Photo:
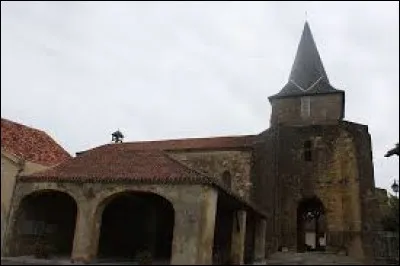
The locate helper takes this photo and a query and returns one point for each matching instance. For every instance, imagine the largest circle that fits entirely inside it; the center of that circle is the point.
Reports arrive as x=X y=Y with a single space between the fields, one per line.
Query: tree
x=394 y=151
x=390 y=221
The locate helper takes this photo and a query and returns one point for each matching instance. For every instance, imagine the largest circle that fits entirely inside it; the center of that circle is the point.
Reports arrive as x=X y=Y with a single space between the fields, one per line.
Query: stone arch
x=135 y=225
x=105 y=198
x=227 y=178
x=224 y=226
x=311 y=224
x=39 y=228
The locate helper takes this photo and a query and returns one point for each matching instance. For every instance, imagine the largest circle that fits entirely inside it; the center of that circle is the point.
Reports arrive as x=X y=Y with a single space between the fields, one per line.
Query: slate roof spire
x=307 y=67
x=308 y=76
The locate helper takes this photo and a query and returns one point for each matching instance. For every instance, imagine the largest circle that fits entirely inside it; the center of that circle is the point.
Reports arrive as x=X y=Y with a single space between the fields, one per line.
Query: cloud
x=156 y=70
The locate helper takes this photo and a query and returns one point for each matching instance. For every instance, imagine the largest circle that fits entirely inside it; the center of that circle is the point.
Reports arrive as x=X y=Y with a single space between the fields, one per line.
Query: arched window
x=227 y=179
x=305 y=106
x=307 y=150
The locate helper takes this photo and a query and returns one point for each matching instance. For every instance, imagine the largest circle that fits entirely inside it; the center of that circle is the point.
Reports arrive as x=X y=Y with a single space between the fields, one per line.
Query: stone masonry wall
x=332 y=175
x=215 y=163
x=194 y=206
x=10 y=168
x=324 y=109
x=265 y=193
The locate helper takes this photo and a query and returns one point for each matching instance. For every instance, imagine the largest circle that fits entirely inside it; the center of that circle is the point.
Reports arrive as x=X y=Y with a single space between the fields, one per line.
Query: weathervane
x=117 y=136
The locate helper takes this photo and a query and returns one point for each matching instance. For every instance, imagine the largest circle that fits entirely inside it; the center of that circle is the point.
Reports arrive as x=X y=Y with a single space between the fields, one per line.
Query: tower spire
x=307 y=68
x=308 y=76
x=295 y=103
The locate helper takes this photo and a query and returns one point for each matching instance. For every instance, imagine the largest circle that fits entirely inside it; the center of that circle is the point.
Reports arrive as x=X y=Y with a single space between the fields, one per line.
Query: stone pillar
x=84 y=246
x=194 y=229
x=354 y=248
x=238 y=237
x=260 y=237
x=2 y=226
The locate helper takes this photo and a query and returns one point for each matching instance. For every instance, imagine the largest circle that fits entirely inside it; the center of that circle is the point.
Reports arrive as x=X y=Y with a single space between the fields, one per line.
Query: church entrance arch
x=311 y=225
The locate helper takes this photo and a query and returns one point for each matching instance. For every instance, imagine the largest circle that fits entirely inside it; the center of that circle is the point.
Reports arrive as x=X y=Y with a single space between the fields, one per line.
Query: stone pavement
x=280 y=258
x=59 y=261
x=310 y=258
x=29 y=260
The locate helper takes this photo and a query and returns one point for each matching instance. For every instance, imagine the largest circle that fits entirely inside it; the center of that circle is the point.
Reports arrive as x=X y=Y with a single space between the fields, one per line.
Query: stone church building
x=305 y=183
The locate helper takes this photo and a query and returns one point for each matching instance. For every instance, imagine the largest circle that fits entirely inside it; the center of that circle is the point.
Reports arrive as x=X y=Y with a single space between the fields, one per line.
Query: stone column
x=238 y=237
x=194 y=229
x=260 y=238
x=84 y=247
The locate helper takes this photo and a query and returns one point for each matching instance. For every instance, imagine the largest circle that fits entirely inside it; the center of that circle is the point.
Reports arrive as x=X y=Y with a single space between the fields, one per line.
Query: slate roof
x=31 y=144
x=308 y=76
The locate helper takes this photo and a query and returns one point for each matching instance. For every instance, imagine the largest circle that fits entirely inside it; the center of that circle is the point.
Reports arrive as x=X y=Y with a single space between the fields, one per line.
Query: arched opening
x=250 y=238
x=227 y=179
x=311 y=225
x=136 y=227
x=223 y=232
x=45 y=225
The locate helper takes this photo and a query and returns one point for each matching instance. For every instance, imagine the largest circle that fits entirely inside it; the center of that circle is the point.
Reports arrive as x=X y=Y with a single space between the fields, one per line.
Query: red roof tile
x=31 y=144
x=127 y=163
x=216 y=143
x=116 y=165
x=138 y=160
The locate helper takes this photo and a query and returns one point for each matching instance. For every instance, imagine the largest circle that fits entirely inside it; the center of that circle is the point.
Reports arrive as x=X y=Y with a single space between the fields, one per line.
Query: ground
x=314 y=258
x=280 y=258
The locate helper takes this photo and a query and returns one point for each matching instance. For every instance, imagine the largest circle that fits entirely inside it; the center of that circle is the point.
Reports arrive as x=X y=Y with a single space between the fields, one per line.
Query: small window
x=226 y=179
x=305 y=106
x=307 y=144
x=307 y=150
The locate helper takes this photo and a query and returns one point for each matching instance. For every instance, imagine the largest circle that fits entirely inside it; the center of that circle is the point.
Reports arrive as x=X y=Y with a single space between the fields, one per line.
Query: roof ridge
x=30 y=143
x=23 y=125
x=172 y=142
x=190 y=138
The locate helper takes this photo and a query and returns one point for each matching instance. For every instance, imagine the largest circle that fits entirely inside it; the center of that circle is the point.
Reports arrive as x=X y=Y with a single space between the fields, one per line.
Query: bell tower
x=307 y=98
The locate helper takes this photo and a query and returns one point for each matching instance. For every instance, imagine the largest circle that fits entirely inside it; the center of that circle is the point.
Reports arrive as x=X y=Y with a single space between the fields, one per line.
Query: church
x=304 y=184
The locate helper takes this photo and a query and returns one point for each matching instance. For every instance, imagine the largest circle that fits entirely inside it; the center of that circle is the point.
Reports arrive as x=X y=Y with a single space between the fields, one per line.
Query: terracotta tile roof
x=31 y=144
x=143 y=162
x=137 y=160
x=216 y=143
x=114 y=163
x=108 y=164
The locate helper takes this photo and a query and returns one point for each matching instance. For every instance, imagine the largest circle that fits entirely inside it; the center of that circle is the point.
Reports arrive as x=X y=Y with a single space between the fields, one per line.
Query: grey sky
x=159 y=70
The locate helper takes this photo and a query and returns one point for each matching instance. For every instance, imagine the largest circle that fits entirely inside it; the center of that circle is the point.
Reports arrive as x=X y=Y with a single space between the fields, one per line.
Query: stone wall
x=9 y=170
x=194 y=206
x=324 y=109
x=10 y=167
x=215 y=163
x=335 y=174
x=265 y=183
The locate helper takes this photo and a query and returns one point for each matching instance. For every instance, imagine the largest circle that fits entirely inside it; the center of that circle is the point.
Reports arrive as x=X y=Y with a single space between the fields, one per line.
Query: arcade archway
x=136 y=226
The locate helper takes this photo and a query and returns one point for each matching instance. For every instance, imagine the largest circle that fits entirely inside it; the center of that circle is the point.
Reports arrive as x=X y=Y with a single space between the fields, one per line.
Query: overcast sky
x=160 y=70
